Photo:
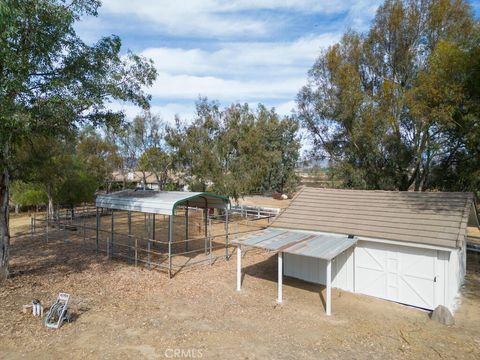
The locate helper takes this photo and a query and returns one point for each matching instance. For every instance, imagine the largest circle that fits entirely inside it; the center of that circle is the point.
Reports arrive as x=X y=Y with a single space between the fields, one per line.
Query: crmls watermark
x=177 y=353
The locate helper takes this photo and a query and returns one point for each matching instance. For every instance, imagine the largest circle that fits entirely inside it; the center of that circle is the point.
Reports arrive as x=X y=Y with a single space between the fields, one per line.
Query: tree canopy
x=397 y=107
x=237 y=150
x=52 y=82
x=28 y=194
x=142 y=147
x=99 y=155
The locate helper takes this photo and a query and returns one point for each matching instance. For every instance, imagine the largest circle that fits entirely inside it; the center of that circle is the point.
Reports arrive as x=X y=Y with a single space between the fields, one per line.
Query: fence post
x=226 y=233
x=148 y=253
x=46 y=227
x=170 y=239
x=112 y=230
x=97 y=228
x=65 y=227
x=108 y=247
x=130 y=236
x=148 y=232
x=210 y=237
x=145 y=223
x=186 y=228
x=206 y=228
x=155 y=245
x=84 y=230
x=211 y=256
x=136 y=252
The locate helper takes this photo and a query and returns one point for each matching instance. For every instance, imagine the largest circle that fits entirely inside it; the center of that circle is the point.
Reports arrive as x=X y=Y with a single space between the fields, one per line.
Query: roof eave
x=225 y=199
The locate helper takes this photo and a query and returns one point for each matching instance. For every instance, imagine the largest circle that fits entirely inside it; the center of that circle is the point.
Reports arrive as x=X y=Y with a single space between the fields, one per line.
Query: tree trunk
x=50 y=210
x=4 y=224
x=144 y=187
x=160 y=185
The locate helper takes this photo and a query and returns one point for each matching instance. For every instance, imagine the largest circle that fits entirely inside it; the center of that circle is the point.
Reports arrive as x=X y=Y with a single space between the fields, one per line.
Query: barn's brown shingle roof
x=435 y=218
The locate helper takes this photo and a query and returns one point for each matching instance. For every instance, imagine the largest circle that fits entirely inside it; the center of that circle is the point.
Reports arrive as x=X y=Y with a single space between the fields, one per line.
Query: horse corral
x=198 y=236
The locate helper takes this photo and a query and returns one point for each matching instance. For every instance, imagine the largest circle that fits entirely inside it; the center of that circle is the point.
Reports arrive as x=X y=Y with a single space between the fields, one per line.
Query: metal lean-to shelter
x=162 y=203
x=319 y=246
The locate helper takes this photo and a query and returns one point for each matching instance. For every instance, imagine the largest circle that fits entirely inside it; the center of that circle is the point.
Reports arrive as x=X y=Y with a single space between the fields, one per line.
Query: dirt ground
x=125 y=312
x=264 y=201
x=473 y=235
x=473 y=231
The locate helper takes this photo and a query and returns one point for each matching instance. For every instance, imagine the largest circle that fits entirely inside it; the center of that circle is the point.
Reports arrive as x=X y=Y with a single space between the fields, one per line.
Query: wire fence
x=143 y=239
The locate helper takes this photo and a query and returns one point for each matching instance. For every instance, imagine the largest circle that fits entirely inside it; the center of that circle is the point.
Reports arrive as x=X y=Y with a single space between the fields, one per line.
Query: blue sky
x=233 y=51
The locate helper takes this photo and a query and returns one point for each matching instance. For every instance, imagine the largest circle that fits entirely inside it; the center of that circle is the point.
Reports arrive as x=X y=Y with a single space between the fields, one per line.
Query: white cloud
x=181 y=17
x=224 y=18
x=186 y=111
x=286 y=108
x=228 y=66
x=191 y=87
x=166 y=112
x=236 y=71
x=242 y=57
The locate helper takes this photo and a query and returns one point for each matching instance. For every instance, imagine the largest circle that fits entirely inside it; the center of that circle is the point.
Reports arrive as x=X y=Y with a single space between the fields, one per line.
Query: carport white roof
x=321 y=246
x=159 y=202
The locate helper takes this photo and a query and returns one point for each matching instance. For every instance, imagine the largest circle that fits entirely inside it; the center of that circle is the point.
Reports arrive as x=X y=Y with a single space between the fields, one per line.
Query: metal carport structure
x=162 y=203
x=319 y=246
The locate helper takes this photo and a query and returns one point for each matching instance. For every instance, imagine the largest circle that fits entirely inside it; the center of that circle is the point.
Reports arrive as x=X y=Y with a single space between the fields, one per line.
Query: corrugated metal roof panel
x=433 y=218
x=158 y=202
x=321 y=246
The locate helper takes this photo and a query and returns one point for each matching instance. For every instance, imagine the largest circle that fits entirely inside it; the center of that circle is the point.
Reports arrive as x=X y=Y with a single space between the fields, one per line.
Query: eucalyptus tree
x=195 y=145
x=52 y=82
x=142 y=146
x=236 y=150
x=158 y=162
x=27 y=194
x=99 y=155
x=47 y=161
x=389 y=107
x=56 y=166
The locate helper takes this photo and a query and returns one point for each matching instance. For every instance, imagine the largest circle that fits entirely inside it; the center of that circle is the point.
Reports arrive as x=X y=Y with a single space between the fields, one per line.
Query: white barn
x=409 y=247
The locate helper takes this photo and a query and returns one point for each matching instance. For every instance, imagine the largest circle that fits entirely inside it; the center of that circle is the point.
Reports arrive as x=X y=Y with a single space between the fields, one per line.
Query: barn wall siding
x=457 y=270
x=305 y=268
x=447 y=266
x=313 y=270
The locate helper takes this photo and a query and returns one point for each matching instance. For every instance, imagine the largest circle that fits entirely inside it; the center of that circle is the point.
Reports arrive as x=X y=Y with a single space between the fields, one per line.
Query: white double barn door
x=403 y=274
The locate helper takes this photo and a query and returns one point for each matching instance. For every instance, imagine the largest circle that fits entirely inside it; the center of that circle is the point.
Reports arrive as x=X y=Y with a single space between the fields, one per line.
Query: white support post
x=226 y=232
x=328 y=300
x=170 y=239
x=280 y=277
x=239 y=267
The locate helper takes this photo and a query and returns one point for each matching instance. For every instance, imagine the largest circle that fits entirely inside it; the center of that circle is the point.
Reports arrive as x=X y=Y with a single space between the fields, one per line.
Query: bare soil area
x=265 y=201
x=125 y=312
x=473 y=231
x=473 y=235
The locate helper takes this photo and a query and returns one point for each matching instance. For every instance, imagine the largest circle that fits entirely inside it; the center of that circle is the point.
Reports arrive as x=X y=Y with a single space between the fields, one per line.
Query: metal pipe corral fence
x=156 y=241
